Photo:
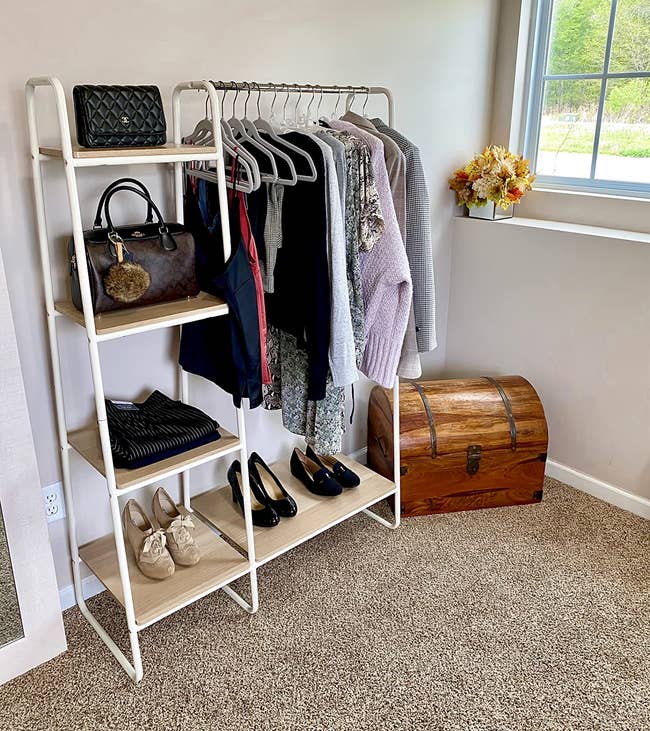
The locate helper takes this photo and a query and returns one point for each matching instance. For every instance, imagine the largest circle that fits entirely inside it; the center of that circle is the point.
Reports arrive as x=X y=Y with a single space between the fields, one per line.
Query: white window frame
x=538 y=79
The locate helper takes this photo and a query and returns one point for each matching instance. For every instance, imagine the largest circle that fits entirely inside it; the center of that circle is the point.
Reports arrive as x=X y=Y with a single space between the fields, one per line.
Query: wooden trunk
x=465 y=444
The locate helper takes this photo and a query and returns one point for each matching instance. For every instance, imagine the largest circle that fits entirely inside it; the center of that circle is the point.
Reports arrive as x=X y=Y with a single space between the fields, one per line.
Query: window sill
x=634 y=237
x=605 y=193
x=597 y=210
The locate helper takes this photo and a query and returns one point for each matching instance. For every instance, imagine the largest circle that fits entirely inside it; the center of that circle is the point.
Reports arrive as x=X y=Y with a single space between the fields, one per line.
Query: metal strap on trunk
x=508 y=407
x=432 y=425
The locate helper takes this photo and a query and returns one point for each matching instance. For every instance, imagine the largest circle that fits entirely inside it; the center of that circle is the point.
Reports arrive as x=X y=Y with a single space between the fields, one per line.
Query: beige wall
x=435 y=55
x=570 y=312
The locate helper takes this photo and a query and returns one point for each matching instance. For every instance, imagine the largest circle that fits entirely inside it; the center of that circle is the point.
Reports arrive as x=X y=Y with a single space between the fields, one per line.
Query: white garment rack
x=146 y=601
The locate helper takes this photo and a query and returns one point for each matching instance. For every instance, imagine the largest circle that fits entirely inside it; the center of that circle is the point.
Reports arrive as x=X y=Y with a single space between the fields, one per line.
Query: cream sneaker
x=147 y=541
x=179 y=529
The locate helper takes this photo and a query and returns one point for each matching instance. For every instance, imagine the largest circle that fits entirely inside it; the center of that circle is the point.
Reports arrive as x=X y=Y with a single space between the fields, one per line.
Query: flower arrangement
x=493 y=175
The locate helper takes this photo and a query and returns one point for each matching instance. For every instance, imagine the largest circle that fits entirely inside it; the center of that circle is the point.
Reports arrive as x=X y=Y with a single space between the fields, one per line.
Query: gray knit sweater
x=385 y=277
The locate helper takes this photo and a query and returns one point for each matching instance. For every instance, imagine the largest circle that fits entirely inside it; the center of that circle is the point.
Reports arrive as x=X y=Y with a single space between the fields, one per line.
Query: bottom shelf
x=152 y=600
x=315 y=514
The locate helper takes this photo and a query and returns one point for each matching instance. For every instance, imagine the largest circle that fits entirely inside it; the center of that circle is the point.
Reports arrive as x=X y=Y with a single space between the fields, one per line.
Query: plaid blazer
x=418 y=239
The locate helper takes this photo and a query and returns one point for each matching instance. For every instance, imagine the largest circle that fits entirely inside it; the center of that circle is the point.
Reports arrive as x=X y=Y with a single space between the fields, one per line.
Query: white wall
x=435 y=55
x=570 y=312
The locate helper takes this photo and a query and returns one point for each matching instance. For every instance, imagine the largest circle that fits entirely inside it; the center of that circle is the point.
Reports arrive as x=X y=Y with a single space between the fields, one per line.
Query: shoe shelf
x=86 y=442
x=144 y=600
x=152 y=600
x=315 y=514
x=117 y=324
x=170 y=152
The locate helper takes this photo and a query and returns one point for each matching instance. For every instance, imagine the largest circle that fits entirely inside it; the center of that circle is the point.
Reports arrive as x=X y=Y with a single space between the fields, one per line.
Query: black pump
x=274 y=491
x=263 y=514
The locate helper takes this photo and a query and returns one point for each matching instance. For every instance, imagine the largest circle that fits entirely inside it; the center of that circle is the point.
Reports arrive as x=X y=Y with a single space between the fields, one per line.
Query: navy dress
x=225 y=350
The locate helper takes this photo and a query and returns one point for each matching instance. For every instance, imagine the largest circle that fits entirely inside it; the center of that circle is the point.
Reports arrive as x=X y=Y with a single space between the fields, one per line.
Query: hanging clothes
x=386 y=278
x=364 y=226
x=225 y=350
x=342 y=360
x=251 y=249
x=395 y=165
x=409 y=364
x=256 y=206
x=321 y=421
x=418 y=239
x=272 y=233
x=301 y=302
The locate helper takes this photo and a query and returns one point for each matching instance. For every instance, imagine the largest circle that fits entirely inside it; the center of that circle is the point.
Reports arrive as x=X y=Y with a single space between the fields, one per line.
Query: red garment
x=251 y=249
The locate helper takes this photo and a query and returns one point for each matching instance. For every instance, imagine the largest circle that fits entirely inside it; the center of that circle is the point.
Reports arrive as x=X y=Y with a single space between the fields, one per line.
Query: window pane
x=578 y=36
x=631 y=44
x=568 y=126
x=624 y=149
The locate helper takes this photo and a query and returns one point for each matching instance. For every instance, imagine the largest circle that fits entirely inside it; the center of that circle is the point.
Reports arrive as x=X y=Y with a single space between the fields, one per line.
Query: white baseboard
x=90 y=586
x=599 y=489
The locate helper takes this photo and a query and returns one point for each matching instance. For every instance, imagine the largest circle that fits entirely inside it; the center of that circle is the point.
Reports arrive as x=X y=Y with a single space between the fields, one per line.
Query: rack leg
x=135 y=670
x=396 y=466
x=185 y=476
x=253 y=606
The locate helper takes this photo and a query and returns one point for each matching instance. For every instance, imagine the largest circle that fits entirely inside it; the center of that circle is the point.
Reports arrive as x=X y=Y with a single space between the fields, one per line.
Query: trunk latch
x=473 y=458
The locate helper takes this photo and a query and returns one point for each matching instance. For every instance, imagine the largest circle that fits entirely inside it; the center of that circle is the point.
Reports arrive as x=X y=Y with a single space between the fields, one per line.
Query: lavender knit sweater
x=385 y=277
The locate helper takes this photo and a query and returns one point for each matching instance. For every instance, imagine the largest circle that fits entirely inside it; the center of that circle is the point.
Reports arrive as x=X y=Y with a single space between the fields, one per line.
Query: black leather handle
x=166 y=239
x=115 y=184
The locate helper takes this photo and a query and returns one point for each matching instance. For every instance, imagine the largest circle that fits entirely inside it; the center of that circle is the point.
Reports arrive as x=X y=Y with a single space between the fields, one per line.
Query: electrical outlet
x=53 y=502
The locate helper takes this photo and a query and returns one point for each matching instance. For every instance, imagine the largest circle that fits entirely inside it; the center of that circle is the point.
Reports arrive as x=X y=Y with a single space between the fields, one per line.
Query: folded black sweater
x=155 y=429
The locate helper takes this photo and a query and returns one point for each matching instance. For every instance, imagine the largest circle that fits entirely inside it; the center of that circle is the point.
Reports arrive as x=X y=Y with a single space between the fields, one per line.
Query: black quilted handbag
x=119 y=116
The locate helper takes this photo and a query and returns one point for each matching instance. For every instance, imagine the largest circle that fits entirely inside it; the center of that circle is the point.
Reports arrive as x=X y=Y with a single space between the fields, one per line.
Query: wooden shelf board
x=86 y=442
x=81 y=153
x=120 y=322
x=219 y=564
x=315 y=513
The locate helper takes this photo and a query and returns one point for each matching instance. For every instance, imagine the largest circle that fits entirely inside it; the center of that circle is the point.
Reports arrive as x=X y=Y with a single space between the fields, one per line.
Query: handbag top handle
x=98 y=215
x=166 y=238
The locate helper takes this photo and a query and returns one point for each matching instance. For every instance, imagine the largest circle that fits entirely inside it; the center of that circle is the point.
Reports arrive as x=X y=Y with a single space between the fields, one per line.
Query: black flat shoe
x=275 y=492
x=263 y=515
x=313 y=476
x=342 y=474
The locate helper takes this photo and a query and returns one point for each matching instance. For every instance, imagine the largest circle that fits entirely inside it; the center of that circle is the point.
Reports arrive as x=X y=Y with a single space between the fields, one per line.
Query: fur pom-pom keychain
x=125 y=281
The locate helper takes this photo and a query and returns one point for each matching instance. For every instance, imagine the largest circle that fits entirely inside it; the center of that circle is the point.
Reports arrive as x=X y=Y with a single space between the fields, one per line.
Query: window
x=588 y=123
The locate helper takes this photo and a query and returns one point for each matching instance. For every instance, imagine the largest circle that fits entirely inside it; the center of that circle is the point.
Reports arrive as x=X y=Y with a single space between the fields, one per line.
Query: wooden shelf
x=118 y=323
x=315 y=514
x=87 y=157
x=86 y=443
x=219 y=564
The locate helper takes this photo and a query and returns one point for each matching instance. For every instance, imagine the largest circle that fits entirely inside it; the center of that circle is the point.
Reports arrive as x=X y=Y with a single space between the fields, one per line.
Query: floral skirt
x=322 y=423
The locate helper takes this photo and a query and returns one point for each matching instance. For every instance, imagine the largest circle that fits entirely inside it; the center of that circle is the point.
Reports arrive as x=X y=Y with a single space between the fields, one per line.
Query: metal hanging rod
x=297 y=88
x=284 y=88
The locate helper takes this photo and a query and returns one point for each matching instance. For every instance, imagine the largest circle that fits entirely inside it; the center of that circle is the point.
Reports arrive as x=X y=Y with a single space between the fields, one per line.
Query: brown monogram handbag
x=134 y=265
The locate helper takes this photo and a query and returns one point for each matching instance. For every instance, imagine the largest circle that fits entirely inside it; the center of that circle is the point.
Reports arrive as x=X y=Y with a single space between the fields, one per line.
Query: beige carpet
x=534 y=618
